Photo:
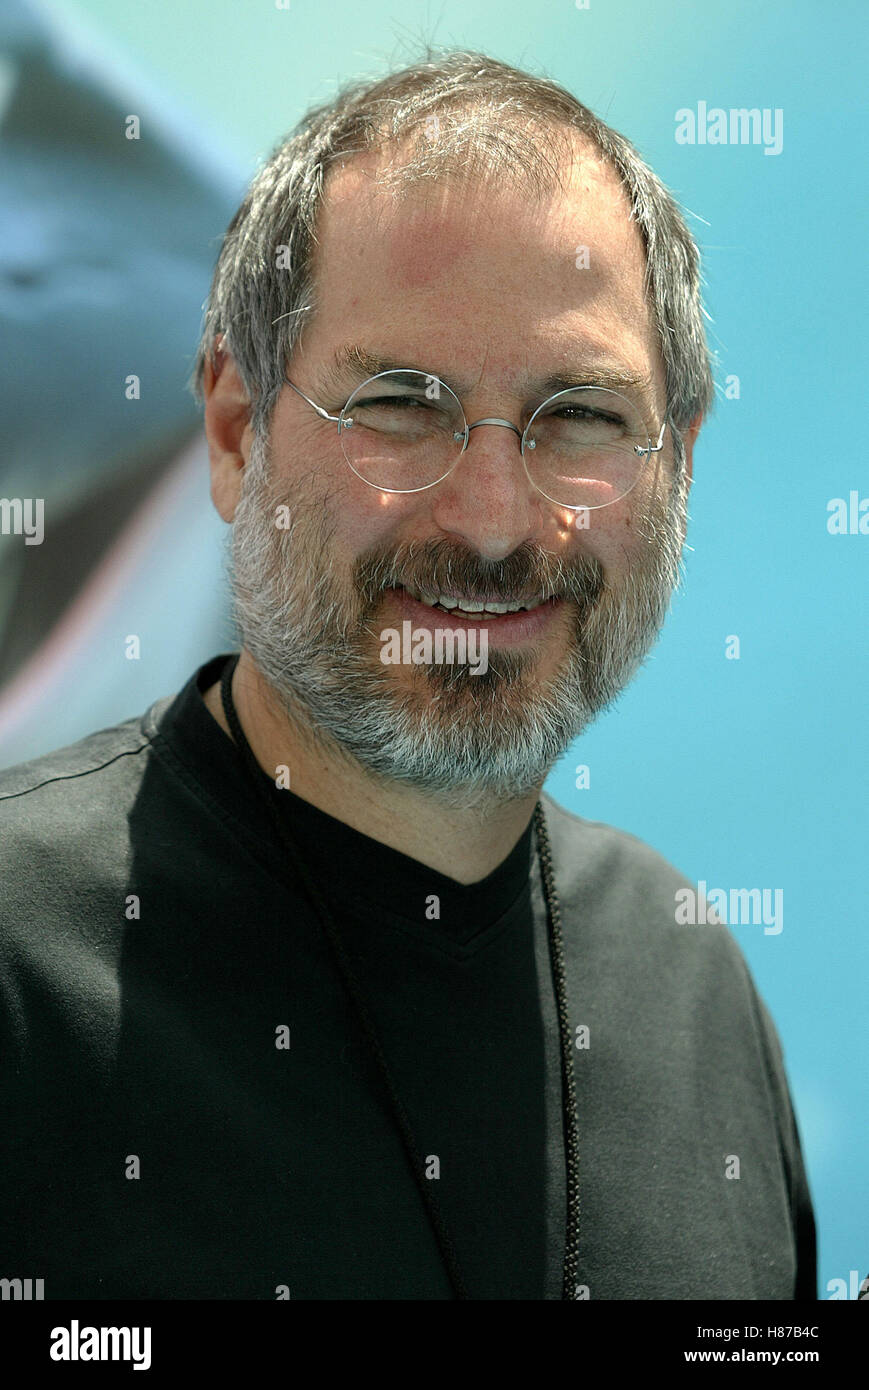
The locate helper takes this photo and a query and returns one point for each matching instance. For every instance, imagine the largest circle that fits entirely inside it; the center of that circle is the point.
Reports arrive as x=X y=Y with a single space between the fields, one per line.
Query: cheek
x=608 y=530
x=618 y=536
x=364 y=518
x=607 y=541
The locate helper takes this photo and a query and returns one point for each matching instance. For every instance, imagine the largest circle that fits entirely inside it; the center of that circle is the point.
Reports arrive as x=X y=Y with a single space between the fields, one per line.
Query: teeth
x=474 y=606
x=464 y=605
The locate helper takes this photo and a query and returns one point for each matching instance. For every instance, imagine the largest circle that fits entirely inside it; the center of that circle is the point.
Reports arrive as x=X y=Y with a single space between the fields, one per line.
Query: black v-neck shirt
x=190 y=1108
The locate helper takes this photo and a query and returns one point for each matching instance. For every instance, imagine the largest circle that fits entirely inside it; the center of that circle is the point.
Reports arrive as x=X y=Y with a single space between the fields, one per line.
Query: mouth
x=506 y=621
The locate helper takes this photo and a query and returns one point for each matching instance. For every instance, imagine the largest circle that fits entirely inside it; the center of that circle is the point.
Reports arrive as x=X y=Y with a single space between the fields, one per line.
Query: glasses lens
x=585 y=447
x=398 y=430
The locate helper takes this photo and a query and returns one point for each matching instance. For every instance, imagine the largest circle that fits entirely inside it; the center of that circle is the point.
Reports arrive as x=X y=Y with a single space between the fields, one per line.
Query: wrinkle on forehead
x=427 y=227
x=471 y=247
x=433 y=228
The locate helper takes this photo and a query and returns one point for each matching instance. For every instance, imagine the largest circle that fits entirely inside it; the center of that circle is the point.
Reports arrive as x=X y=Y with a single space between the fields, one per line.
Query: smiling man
x=307 y=986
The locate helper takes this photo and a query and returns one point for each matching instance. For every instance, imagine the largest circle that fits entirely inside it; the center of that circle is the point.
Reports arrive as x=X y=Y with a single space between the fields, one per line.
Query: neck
x=463 y=845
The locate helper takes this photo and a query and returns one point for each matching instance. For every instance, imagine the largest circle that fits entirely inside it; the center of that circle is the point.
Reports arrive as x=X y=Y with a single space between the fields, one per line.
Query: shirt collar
x=365 y=872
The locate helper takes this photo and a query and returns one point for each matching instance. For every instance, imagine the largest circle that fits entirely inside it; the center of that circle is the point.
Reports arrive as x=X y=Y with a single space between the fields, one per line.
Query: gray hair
x=490 y=119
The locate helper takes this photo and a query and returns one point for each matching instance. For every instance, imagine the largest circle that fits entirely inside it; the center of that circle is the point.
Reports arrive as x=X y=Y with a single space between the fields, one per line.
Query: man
x=304 y=995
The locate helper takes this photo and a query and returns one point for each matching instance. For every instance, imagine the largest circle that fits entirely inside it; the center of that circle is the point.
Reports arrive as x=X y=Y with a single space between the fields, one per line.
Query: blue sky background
x=747 y=773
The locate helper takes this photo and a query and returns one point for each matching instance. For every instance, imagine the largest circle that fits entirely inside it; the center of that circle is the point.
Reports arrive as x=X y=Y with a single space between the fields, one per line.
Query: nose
x=488 y=499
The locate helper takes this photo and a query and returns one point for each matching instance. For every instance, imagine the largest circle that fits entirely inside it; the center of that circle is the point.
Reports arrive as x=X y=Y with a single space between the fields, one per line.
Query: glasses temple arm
x=319 y=409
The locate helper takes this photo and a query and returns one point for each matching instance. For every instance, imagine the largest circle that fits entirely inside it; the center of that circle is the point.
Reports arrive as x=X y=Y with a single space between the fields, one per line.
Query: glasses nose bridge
x=493 y=420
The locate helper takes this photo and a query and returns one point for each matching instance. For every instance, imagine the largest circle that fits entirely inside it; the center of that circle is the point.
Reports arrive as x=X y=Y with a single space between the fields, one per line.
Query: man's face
x=480 y=286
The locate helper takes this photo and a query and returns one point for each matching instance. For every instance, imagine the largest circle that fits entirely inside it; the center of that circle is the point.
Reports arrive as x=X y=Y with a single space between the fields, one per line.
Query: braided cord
x=568 y=1082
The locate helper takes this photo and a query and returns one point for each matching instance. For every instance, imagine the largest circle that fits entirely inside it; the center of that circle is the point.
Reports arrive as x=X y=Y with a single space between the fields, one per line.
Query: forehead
x=485 y=261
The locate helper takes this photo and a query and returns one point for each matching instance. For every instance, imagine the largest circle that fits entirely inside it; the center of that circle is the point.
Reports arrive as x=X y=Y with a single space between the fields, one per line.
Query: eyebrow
x=357 y=362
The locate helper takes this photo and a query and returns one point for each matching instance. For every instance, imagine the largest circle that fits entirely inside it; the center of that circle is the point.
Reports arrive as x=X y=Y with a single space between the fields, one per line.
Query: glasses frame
x=346 y=423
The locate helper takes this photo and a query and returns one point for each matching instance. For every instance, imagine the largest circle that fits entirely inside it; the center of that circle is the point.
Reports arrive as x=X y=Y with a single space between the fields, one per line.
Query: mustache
x=440 y=567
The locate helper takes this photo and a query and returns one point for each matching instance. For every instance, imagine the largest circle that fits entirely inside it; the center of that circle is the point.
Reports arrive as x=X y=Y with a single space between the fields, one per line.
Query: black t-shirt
x=190 y=1109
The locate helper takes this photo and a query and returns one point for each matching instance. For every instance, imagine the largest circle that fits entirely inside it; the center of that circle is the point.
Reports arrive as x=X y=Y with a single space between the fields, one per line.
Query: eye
x=584 y=412
x=396 y=401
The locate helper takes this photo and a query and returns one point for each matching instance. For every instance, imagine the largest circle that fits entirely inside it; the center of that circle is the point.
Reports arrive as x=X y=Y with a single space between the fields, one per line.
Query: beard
x=462 y=737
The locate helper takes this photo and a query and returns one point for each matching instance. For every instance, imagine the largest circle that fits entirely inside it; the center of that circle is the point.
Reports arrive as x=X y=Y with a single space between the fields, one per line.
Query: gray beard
x=467 y=739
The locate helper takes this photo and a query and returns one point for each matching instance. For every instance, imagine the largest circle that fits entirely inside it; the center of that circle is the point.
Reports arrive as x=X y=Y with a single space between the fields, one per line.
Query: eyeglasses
x=405 y=431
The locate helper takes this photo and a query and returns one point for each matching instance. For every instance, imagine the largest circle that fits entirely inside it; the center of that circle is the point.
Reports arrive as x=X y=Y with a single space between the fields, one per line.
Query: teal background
x=742 y=773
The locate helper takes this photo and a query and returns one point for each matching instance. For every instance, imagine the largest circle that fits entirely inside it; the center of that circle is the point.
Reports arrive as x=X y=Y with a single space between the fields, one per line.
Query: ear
x=227 y=428
x=689 y=435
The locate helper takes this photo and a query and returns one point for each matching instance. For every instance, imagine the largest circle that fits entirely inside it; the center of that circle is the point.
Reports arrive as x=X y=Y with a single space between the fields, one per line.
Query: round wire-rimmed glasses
x=405 y=430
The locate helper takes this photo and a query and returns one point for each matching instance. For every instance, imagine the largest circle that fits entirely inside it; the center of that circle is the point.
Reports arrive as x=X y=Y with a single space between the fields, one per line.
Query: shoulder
x=58 y=811
x=65 y=864
x=626 y=903
x=622 y=906
x=71 y=776
x=611 y=866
